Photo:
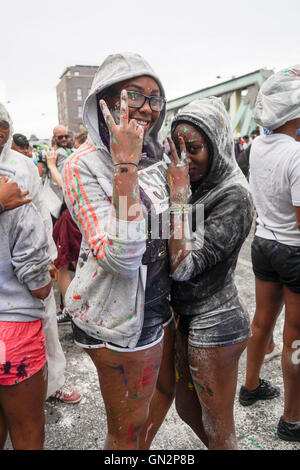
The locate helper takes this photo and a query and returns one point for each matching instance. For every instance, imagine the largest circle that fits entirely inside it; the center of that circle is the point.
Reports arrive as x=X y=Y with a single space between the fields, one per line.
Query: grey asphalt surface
x=83 y=426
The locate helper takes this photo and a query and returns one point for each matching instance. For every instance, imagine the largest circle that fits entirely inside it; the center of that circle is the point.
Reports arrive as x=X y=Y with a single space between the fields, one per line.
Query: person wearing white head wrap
x=278 y=100
x=275 y=185
x=11 y=195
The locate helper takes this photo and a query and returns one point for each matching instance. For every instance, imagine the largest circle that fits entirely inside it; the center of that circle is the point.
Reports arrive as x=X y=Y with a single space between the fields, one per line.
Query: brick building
x=71 y=91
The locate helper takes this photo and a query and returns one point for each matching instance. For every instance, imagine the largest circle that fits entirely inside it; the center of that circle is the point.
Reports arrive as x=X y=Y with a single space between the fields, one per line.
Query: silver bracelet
x=125 y=163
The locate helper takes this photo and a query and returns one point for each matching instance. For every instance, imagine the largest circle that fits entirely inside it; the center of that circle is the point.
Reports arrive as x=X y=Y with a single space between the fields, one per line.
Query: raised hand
x=11 y=195
x=51 y=158
x=126 y=138
x=178 y=174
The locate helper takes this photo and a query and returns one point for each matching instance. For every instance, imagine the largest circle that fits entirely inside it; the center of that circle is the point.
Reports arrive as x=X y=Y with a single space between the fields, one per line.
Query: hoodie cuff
x=40 y=282
x=126 y=231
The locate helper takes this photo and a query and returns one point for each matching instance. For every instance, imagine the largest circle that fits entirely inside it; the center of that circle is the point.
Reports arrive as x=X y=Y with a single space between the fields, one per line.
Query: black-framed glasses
x=137 y=100
x=4 y=124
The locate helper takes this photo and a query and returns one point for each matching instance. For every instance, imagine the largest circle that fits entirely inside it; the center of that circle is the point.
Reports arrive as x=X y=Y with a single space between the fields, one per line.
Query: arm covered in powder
x=225 y=228
x=117 y=245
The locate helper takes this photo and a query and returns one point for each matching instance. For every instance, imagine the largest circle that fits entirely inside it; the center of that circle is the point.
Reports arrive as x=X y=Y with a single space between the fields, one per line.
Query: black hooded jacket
x=204 y=280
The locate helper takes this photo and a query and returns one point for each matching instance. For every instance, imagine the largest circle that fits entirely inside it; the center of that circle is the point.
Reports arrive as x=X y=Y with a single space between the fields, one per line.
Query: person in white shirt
x=275 y=185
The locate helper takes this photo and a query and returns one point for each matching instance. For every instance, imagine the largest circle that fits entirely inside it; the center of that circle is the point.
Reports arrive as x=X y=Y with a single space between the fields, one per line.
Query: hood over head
x=4 y=116
x=278 y=100
x=115 y=69
x=210 y=116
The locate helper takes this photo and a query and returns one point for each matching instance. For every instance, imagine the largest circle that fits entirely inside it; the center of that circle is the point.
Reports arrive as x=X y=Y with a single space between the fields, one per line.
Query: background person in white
x=31 y=182
x=275 y=185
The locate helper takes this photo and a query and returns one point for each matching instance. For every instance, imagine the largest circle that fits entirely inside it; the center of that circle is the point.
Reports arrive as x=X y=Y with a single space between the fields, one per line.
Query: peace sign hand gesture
x=178 y=174
x=126 y=139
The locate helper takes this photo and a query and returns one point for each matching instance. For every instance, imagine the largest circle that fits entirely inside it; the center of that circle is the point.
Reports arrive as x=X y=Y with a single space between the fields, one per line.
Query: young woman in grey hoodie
x=213 y=323
x=115 y=185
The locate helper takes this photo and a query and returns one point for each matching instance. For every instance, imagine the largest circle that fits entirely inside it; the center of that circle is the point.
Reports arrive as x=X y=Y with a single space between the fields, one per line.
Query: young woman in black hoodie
x=213 y=323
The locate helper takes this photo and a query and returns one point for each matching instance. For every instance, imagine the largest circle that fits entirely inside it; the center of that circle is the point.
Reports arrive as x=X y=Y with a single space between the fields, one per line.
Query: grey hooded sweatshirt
x=120 y=273
x=24 y=259
x=208 y=271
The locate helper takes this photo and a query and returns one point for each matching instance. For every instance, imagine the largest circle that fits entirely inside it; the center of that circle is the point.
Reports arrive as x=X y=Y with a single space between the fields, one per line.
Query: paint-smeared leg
x=186 y=399
x=127 y=383
x=23 y=407
x=291 y=357
x=164 y=392
x=3 y=430
x=269 y=302
x=214 y=372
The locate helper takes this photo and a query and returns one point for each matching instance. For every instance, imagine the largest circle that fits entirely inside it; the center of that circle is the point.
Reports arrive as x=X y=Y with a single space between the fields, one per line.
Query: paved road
x=83 y=426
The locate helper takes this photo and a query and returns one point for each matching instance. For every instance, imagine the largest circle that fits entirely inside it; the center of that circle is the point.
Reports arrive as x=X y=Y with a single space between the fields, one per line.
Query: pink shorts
x=22 y=350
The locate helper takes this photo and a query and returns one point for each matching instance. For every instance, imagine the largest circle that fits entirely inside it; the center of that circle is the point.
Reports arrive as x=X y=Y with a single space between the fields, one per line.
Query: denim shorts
x=229 y=324
x=155 y=319
x=275 y=262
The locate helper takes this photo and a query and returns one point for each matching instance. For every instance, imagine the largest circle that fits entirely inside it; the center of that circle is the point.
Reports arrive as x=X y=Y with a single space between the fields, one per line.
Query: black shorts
x=227 y=325
x=275 y=262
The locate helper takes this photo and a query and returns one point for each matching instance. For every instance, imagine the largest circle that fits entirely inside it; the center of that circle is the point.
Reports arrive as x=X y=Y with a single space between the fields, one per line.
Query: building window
x=79 y=94
x=79 y=111
x=76 y=73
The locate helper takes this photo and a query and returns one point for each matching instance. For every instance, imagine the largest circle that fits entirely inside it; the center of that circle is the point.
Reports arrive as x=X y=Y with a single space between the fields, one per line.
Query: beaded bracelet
x=179 y=209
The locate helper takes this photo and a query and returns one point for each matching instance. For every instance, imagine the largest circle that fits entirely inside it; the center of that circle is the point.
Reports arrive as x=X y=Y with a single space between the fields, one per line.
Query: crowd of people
x=112 y=216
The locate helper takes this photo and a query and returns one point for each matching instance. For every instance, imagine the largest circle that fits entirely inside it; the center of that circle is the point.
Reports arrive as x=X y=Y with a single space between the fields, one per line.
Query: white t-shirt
x=275 y=186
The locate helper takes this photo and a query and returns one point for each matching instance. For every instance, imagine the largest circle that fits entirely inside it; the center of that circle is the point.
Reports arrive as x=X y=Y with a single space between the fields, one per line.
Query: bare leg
x=3 y=430
x=64 y=280
x=164 y=392
x=127 y=383
x=290 y=358
x=214 y=372
x=186 y=399
x=23 y=409
x=271 y=345
x=269 y=302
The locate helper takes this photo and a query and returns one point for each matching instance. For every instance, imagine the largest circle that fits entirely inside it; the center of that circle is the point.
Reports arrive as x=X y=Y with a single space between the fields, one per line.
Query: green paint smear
x=114 y=139
x=134 y=195
x=79 y=195
x=252 y=442
x=185 y=130
x=275 y=432
x=135 y=396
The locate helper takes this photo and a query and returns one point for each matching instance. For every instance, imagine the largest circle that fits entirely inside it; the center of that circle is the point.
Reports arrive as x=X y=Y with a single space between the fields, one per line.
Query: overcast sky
x=187 y=42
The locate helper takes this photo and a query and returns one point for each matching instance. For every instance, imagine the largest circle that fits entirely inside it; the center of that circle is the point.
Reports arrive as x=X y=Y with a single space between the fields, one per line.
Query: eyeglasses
x=4 y=124
x=60 y=137
x=137 y=100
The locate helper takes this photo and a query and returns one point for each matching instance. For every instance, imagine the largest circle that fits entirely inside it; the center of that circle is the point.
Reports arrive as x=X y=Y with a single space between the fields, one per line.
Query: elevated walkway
x=238 y=95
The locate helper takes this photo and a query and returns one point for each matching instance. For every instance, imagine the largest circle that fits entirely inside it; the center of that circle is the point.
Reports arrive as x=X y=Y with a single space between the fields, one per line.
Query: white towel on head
x=278 y=100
